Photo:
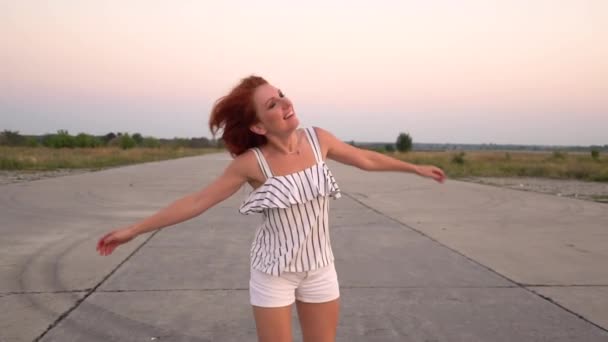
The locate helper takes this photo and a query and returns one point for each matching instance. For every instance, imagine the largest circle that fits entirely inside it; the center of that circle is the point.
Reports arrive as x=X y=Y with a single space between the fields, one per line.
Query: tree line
x=63 y=139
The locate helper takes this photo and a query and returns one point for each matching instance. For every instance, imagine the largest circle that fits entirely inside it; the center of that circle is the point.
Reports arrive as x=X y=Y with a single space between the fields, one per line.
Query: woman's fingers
x=106 y=244
x=100 y=242
x=439 y=175
x=435 y=173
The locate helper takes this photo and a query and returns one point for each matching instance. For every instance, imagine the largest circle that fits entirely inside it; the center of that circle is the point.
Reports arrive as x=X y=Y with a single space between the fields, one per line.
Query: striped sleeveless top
x=294 y=234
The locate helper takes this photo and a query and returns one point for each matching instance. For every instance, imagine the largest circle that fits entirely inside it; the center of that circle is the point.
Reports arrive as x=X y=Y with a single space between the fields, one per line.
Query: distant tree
x=200 y=142
x=150 y=142
x=86 y=140
x=107 y=138
x=404 y=142
x=138 y=139
x=62 y=139
x=12 y=138
x=180 y=143
x=126 y=141
x=389 y=148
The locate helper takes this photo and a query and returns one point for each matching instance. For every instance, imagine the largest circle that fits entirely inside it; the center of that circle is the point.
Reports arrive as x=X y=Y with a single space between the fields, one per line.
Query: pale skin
x=277 y=121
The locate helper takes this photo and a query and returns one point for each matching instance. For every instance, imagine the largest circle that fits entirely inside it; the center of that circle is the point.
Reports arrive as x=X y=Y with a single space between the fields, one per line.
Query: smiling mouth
x=290 y=114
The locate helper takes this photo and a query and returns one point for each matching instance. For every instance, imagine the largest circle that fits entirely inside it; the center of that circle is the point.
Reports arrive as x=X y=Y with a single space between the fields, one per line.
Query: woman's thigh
x=273 y=324
x=319 y=321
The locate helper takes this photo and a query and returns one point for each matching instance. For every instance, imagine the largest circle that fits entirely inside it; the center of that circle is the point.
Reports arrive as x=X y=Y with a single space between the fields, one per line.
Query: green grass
x=42 y=158
x=579 y=166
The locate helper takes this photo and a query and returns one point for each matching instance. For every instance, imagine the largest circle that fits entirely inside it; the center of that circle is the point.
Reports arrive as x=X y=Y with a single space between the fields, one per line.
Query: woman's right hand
x=107 y=244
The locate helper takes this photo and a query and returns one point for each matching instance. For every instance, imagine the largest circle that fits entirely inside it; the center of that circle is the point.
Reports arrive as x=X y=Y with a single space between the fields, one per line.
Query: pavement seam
x=41 y=292
x=564 y=285
x=342 y=287
x=550 y=300
x=92 y=290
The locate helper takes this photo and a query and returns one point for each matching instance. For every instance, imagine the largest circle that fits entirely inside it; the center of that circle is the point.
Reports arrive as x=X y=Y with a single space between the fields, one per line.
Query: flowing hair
x=234 y=113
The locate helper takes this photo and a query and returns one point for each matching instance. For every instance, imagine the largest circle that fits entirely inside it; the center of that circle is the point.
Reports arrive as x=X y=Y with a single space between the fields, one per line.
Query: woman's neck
x=286 y=145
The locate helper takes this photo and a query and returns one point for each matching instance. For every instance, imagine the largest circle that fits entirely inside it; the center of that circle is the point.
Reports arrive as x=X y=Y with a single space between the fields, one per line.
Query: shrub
x=138 y=139
x=126 y=141
x=60 y=140
x=106 y=139
x=150 y=142
x=10 y=138
x=31 y=142
x=595 y=154
x=86 y=140
x=458 y=158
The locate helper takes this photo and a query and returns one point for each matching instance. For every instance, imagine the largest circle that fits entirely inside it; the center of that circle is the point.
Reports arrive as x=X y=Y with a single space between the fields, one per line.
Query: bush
x=389 y=148
x=404 y=142
x=126 y=141
x=138 y=139
x=60 y=140
x=150 y=142
x=595 y=154
x=180 y=143
x=10 y=138
x=86 y=140
x=31 y=142
x=106 y=139
x=458 y=158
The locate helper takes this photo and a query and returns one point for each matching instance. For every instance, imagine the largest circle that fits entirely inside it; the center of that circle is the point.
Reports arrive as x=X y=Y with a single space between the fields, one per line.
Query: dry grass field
x=554 y=165
x=44 y=159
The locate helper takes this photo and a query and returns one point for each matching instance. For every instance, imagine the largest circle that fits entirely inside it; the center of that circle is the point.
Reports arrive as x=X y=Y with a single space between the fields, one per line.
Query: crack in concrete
x=41 y=292
x=564 y=285
x=92 y=290
x=522 y=286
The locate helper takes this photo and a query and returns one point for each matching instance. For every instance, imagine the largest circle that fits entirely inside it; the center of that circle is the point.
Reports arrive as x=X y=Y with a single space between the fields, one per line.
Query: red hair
x=234 y=114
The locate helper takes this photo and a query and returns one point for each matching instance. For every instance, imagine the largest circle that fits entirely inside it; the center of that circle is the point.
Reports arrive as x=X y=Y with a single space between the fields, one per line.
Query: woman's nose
x=285 y=103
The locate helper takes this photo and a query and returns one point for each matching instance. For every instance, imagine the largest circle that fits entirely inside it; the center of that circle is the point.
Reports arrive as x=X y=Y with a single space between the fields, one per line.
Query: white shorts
x=318 y=286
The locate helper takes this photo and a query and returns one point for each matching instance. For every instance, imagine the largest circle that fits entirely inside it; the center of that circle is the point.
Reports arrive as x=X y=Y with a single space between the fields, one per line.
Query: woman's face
x=274 y=110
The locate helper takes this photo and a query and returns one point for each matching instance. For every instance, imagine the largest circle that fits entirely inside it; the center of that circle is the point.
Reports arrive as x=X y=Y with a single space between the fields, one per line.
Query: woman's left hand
x=431 y=172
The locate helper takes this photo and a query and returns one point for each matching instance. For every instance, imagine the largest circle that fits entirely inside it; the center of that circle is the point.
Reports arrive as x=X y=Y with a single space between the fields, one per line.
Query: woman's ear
x=258 y=129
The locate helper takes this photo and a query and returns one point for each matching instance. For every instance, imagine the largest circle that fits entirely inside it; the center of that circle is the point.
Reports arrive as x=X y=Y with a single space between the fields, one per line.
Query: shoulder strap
x=311 y=134
x=262 y=162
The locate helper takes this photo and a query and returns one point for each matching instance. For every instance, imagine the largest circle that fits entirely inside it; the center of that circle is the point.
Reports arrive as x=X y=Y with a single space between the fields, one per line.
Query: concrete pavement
x=417 y=261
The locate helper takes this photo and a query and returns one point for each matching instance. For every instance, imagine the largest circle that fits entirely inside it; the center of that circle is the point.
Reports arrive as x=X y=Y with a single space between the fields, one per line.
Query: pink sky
x=532 y=72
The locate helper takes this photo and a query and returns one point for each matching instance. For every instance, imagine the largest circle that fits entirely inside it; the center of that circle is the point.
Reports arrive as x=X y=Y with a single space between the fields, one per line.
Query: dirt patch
x=8 y=177
x=591 y=191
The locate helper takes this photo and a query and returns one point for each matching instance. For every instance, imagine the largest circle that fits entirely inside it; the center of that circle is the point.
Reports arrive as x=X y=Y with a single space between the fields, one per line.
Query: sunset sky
x=452 y=71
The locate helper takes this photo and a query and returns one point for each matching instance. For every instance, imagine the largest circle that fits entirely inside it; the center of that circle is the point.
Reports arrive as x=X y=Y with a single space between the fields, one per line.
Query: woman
x=291 y=257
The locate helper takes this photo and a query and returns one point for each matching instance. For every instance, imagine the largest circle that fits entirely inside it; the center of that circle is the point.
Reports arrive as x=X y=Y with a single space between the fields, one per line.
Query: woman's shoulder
x=246 y=164
x=326 y=138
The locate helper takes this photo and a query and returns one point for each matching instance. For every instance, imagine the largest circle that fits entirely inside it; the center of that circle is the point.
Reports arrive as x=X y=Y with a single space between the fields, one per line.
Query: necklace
x=297 y=150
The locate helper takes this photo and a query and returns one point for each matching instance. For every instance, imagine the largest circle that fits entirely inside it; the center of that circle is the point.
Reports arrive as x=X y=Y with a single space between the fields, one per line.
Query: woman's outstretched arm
x=372 y=161
x=182 y=209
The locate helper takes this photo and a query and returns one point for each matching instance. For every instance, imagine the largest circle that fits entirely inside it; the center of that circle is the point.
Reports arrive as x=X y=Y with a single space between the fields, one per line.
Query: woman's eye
x=272 y=105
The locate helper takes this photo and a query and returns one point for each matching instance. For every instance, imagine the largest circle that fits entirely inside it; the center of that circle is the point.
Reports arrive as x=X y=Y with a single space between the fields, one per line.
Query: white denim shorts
x=317 y=286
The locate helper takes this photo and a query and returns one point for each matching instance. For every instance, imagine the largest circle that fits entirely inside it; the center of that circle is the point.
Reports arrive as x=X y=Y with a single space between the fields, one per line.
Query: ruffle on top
x=288 y=190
